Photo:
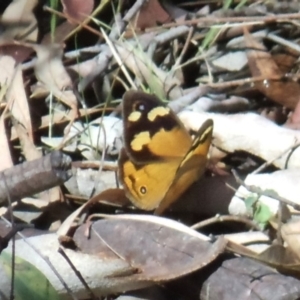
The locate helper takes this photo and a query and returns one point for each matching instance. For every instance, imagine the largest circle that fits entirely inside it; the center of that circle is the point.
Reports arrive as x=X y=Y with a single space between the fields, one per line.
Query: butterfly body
x=159 y=160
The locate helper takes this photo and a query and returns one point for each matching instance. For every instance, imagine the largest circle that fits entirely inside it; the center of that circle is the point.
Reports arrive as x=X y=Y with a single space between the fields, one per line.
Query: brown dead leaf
x=18 y=52
x=280 y=257
x=151 y=14
x=77 y=9
x=160 y=249
x=261 y=63
x=113 y=196
x=21 y=21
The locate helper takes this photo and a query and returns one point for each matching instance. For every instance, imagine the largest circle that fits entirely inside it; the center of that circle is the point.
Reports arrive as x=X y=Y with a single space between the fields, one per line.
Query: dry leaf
x=20 y=20
x=151 y=14
x=261 y=63
x=77 y=9
x=18 y=103
x=160 y=249
x=50 y=71
x=285 y=183
x=98 y=273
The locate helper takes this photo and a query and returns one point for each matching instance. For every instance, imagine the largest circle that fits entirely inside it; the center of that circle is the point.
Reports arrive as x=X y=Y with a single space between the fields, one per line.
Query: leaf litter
x=61 y=86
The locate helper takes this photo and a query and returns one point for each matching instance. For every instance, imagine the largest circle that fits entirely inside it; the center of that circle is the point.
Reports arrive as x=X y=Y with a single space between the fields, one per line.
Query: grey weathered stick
x=34 y=176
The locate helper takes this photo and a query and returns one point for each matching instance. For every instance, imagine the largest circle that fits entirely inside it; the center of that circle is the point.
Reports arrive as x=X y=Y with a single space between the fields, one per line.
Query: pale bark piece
x=159 y=249
x=35 y=176
x=246 y=279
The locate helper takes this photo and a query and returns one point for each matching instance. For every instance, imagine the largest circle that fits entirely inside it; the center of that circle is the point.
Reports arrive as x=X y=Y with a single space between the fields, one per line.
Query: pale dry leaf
x=98 y=273
x=7 y=67
x=291 y=235
x=284 y=183
x=232 y=61
x=28 y=148
x=256 y=241
x=50 y=71
x=19 y=14
x=6 y=159
x=231 y=104
x=102 y=134
x=18 y=102
x=82 y=182
x=251 y=133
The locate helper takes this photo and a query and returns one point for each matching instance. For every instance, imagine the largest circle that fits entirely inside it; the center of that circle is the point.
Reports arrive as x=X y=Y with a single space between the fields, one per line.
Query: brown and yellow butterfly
x=159 y=160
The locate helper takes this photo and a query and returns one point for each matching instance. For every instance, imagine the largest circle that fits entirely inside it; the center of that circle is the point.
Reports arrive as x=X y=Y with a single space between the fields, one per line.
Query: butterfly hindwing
x=191 y=167
x=146 y=185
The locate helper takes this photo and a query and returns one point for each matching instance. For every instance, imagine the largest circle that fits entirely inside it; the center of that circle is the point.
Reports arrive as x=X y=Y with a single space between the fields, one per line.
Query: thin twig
x=214 y=20
x=228 y=218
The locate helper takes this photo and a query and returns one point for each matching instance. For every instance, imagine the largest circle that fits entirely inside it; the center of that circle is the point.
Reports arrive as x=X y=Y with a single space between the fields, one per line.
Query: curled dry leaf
x=159 y=249
x=251 y=133
x=112 y=196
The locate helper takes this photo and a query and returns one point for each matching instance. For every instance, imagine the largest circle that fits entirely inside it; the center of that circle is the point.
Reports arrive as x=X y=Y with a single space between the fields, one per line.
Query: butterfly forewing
x=151 y=130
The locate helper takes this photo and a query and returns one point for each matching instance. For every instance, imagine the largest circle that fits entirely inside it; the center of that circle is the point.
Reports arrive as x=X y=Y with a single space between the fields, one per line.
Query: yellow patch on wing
x=159 y=111
x=140 y=139
x=134 y=116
